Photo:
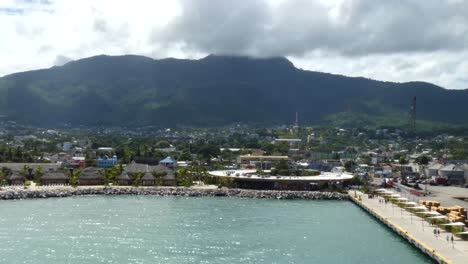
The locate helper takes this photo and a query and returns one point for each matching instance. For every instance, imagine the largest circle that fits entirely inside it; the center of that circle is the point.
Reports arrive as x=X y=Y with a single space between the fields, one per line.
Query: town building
x=259 y=162
x=168 y=162
x=78 y=162
x=433 y=170
x=453 y=173
x=16 y=179
x=249 y=179
x=18 y=167
x=91 y=176
x=55 y=178
x=290 y=141
x=147 y=173
x=106 y=162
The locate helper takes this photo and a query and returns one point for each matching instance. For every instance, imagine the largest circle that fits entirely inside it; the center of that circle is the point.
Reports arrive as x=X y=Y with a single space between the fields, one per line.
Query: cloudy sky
x=400 y=40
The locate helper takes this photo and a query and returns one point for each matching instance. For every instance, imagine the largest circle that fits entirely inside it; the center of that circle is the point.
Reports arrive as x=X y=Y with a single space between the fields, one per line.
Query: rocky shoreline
x=171 y=191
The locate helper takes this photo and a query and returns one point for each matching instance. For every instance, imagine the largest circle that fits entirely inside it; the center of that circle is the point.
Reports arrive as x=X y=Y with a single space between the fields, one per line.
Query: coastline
x=50 y=192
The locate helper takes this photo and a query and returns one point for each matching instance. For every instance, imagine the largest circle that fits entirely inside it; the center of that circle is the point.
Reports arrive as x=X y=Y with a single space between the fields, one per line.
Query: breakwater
x=168 y=191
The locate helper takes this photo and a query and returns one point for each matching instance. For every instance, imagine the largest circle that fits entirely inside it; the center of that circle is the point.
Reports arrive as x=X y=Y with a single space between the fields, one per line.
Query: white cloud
x=379 y=39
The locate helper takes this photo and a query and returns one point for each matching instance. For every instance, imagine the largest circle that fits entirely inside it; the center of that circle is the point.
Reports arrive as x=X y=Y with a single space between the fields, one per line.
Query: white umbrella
x=381 y=190
x=438 y=217
x=463 y=233
x=410 y=203
x=402 y=199
x=394 y=195
x=454 y=224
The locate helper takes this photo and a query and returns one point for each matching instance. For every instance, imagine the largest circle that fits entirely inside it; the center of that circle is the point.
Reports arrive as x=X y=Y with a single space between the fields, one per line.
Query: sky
x=398 y=40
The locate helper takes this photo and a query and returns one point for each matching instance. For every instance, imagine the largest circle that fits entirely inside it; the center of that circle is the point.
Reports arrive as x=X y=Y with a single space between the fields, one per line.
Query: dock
x=415 y=230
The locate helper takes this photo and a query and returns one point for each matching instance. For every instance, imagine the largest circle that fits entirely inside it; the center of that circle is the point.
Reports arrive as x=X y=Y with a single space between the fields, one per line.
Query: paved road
x=444 y=194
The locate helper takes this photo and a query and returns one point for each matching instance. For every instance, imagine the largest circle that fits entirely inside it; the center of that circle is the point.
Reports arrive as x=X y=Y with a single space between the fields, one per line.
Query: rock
x=174 y=191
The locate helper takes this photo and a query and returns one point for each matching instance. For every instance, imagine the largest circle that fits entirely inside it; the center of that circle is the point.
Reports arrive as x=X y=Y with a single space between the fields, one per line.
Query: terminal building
x=259 y=162
x=248 y=179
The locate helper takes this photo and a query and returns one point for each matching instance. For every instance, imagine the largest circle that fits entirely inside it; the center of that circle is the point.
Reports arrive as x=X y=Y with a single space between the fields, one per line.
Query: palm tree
x=74 y=177
x=38 y=173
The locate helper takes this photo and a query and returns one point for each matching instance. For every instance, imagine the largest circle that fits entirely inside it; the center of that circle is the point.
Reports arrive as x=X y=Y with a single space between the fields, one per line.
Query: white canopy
x=454 y=224
x=438 y=217
x=402 y=199
x=463 y=233
x=418 y=208
x=410 y=203
x=395 y=195
x=430 y=213
x=381 y=190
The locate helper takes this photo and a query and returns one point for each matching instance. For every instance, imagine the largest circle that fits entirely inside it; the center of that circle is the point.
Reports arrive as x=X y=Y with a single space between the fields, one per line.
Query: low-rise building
x=259 y=162
x=78 y=162
x=147 y=173
x=55 y=178
x=290 y=141
x=453 y=173
x=16 y=179
x=91 y=176
x=433 y=170
x=168 y=162
x=106 y=162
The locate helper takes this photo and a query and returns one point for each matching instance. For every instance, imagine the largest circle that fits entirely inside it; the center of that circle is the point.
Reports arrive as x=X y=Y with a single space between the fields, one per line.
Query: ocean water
x=149 y=229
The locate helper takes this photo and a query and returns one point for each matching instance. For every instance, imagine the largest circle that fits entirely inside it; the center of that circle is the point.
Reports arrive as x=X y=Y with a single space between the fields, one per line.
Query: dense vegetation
x=216 y=90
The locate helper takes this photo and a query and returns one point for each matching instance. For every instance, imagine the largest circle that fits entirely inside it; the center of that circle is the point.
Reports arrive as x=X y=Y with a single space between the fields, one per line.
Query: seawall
x=168 y=191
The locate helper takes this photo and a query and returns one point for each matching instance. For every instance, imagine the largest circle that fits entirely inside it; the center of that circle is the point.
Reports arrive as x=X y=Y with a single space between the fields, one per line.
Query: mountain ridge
x=138 y=90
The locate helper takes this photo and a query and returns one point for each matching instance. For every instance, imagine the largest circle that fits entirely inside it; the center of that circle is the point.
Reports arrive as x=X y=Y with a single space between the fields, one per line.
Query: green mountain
x=216 y=90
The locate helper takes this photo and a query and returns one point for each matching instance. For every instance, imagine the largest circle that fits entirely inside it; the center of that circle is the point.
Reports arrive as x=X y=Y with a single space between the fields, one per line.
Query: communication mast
x=412 y=120
x=296 y=124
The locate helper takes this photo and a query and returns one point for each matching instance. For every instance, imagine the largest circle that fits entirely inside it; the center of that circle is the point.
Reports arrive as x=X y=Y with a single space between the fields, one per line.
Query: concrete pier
x=415 y=230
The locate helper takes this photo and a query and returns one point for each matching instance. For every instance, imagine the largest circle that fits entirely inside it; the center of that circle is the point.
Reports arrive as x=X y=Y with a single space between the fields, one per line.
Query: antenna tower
x=296 y=124
x=413 y=114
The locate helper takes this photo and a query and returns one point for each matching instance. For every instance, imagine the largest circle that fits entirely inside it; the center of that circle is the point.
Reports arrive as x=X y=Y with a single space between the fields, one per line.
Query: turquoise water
x=148 y=229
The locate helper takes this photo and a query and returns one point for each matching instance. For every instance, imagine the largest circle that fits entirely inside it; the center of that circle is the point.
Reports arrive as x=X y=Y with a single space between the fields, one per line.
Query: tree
x=2 y=177
x=159 y=181
x=207 y=151
x=336 y=156
x=356 y=180
x=25 y=171
x=184 y=178
x=74 y=177
x=38 y=173
x=423 y=160
x=185 y=156
x=110 y=174
x=137 y=180
x=402 y=160
x=349 y=165
x=282 y=148
x=163 y=144
x=366 y=159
